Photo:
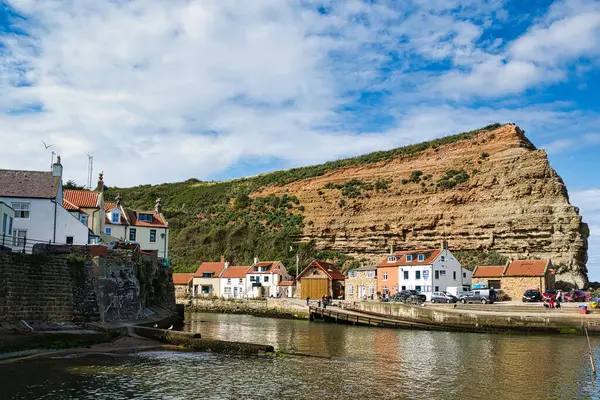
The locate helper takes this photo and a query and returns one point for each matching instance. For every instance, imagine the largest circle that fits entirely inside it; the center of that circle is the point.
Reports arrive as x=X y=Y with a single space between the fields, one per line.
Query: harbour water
x=343 y=362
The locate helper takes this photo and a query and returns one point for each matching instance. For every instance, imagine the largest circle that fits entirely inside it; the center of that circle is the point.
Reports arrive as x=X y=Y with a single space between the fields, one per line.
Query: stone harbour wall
x=276 y=308
x=64 y=284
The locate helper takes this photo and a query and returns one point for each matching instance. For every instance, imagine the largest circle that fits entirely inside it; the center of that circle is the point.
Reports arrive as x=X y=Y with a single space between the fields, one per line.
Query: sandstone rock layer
x=513 y=202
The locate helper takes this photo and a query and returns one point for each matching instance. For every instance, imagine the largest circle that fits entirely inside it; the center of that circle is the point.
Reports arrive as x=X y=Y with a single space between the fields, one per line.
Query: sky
x=216 y=89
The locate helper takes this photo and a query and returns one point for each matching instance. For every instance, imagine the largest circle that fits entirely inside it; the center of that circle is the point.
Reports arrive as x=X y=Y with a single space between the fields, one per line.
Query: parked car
x=532 y=295
x=411 y=295
x=576 y=295
x=443 y=297
x=482 y=296
x=549 y=294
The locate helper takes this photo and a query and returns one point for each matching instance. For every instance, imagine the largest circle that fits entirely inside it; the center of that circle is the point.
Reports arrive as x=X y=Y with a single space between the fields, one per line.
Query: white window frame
x=229 y=281
x=21 y=207
x=266 y=278
x=421 y=257
x=134 y=231
x=409 y=258
x=385 y=276
x=241 y=282
x=227 y=290
x=371 y=290
x=420 y=275
x=19 y=237
x=115 y=217
x=351 y=290
x=152 y=235
x=108 y=230
x=392 y=259
x=83 y=218
x=370 y=274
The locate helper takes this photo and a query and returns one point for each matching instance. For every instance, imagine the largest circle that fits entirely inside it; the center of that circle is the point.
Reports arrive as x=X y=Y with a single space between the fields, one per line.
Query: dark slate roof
x=30 y=184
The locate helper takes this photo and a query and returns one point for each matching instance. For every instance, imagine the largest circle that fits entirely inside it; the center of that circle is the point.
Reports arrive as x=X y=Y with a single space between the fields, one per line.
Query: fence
x=23 y=244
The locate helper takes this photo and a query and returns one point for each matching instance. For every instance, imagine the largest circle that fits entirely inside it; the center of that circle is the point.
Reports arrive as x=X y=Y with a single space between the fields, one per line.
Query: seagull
x=155 y=326
x=47 y=146
x=170 y=328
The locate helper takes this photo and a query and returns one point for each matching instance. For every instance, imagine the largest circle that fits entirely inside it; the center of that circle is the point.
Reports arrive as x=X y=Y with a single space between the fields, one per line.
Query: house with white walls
x=207 y=278
x=426 y=271
x=7 y=215
x=263 y=279
x=233 y=282
x=37 y=200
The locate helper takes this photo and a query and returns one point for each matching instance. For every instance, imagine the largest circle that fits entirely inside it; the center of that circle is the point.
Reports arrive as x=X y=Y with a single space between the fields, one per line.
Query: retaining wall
x=277 y=308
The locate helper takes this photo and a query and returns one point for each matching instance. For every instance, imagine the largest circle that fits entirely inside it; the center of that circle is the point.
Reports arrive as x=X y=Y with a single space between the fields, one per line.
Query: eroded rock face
x=513 y=202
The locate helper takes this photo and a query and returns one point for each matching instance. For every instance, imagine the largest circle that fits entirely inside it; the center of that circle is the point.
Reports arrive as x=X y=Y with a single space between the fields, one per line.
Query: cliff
x=503 y=195
x=488 y=191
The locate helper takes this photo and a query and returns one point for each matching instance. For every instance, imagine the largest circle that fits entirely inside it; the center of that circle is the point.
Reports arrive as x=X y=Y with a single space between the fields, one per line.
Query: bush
x=382 y=184
x=404 y=181
x=452 y=178
x=416 y=176
x=484 y=156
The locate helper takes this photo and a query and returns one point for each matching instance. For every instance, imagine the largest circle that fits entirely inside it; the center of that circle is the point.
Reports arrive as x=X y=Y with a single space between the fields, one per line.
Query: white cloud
x=588 y=202
x=572 y=143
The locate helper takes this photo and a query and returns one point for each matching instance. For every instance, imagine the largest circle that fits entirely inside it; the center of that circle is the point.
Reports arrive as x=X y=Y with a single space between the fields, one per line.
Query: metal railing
x=15 y=244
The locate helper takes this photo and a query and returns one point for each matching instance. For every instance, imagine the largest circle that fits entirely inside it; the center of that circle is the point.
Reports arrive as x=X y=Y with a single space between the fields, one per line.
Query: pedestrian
x=307 y=300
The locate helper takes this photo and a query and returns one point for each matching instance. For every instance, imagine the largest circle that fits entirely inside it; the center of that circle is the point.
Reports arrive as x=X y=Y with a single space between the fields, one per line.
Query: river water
x=346 y=362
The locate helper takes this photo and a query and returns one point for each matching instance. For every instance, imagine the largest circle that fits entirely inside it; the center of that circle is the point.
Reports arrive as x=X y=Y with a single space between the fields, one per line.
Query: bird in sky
x=47 y=146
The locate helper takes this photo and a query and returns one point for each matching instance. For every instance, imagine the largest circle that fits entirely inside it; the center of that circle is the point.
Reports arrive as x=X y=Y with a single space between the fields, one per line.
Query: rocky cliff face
x=494 y=191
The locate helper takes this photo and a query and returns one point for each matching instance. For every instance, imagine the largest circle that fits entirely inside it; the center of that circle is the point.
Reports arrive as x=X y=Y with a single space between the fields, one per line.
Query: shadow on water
x=360 y=363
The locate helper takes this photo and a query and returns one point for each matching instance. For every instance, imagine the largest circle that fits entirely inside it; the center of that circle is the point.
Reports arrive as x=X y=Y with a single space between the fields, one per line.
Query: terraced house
x=113 y=222
x=361 y=283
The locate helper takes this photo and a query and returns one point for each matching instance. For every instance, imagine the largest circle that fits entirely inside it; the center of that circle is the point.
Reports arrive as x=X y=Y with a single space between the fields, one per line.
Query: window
x=409 y=258
x=241 y=281
x=227 y=289
x=152 y=235
x=4 y=222
x=418 y=288
x=437 y=275
x=371 y=290
x=69 y=240
x=19 y=237
x=132 y=234
x=21 y=210
x=421 y=257
x=437 y=288
x=207 y=274
x=370 y=274
x=108 y=231
x=352 y=274
x=403 y=288
x=229 y=281
x=252 y=278
x=115 y=217
x=442 y=258
x=392 y=259
x=266 y=279
x=145 y=217
x=454 y=275
x=417 y=275
x=385 y=276
x=10 y=223
x=405 y=274
x=464 y=274
x=351 y=290
x=442 y=273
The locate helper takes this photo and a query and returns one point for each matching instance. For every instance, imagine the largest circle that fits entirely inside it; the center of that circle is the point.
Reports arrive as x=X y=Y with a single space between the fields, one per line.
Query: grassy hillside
x=210 y=219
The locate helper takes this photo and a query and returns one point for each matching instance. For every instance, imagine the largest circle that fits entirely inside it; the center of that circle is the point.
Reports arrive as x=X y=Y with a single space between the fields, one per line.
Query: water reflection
x=364 y=363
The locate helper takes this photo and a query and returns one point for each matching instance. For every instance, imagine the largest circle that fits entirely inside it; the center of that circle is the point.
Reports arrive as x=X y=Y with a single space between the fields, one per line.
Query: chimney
x=158 y=206
x=57 y=168
x=100 y=187
x=391 y=249
x=118 y=200
x=444 y=244
x=255 y=260
x=226 y=264
x=222 y=259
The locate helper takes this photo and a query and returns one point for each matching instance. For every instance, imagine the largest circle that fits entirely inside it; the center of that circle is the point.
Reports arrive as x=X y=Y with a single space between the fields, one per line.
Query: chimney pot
x=100 y=187
x=222 y=259
x=255 y=260
x=158 y=206
x=57 y=168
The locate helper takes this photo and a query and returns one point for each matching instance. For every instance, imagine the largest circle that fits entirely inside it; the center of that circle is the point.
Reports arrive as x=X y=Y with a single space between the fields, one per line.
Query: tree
x=71 y=184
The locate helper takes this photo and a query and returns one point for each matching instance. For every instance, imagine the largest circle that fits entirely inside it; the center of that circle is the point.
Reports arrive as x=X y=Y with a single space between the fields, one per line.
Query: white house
x=424 y=270
x=7 y=216
x=36 y=198
x=233 y=282
x=206 y=281
x=263 y=279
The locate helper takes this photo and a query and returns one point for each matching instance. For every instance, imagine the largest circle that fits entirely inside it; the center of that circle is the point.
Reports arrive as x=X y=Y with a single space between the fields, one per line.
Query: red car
x=577 y=295
x=549 y=294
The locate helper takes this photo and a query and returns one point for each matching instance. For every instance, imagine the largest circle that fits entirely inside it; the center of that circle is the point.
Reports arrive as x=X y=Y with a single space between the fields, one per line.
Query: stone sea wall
x=81 y=284
x=276 y=308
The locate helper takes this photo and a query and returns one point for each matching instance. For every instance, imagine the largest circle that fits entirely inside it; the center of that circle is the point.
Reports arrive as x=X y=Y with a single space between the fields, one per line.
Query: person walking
x=307 y=300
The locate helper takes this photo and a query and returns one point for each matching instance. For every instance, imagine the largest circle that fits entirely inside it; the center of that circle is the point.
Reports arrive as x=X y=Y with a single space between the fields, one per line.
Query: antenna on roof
x=90 y=170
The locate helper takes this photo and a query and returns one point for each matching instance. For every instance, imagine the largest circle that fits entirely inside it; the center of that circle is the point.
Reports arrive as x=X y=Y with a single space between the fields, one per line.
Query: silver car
x=443 y=297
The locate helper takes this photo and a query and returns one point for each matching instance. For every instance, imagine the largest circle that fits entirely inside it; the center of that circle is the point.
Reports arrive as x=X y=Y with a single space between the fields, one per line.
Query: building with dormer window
x=426 y=271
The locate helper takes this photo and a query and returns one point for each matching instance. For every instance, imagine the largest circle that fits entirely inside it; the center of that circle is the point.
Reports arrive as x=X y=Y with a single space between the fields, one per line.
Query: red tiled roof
x=67 y=205
x=214 y=268
x=28 y=184
x=326 y=267
x=527 y=268
x=430 y=256
x=81 y=198
x=271 y=264
x=182 y=279
x=235 y=272
x=488 y=271
x=286 y=283
x=157 y=219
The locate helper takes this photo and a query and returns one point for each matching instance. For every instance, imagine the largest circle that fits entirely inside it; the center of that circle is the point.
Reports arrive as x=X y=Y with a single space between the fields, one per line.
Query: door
x=314 y=288
x=235 y=291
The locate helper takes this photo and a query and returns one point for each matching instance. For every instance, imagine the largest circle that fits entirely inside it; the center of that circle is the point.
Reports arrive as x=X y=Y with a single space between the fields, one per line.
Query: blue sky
x=214 y=89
